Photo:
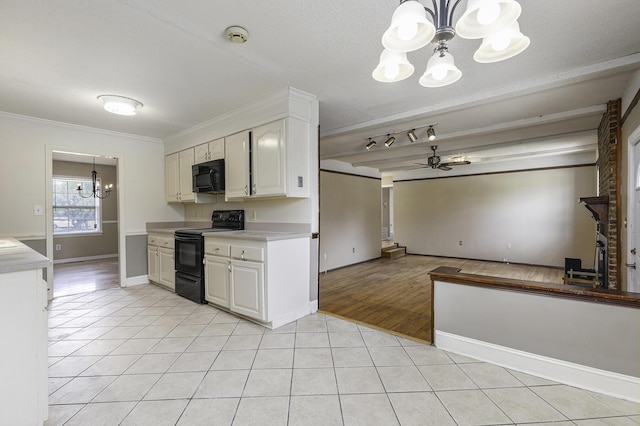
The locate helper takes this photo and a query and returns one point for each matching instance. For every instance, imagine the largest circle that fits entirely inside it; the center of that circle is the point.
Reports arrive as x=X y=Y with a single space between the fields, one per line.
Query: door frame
x=50 y=149
x=632 y=227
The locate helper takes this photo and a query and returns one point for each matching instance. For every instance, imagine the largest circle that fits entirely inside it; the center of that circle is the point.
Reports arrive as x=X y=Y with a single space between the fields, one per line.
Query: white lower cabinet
x=160 y=259
x=216 y=282
x=247 y=289
x=266 y=280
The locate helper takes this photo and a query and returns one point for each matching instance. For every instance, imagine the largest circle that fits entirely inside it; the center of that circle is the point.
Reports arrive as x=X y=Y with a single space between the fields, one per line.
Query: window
x=73 y=214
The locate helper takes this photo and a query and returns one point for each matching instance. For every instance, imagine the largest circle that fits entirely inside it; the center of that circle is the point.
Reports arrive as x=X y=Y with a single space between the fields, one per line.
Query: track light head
x=389 y=141
x=371 y=144
x=431 y=133
x=411 y=134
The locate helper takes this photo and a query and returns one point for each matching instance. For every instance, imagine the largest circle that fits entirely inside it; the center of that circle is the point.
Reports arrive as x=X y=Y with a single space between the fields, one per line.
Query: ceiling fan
x=434 y=161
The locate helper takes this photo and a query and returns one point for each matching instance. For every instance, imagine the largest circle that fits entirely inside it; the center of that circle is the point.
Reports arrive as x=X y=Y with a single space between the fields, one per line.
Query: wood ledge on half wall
x=585 y=294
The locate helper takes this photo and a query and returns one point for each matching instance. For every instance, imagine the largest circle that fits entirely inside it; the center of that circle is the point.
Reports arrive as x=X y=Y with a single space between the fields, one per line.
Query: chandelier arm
x=435 y=14
x=432 y=14
x=452 y=11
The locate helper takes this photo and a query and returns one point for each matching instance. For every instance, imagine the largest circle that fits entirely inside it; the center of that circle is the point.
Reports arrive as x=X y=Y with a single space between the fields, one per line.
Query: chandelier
x=494 y=21
x=95 y=193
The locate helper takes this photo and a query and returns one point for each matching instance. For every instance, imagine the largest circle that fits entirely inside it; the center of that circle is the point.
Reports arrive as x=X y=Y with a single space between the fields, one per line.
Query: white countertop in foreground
x=16 y=256
x=256 y=235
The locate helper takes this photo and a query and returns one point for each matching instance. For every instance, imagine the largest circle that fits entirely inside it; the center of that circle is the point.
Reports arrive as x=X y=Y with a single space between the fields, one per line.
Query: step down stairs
x=394 y=251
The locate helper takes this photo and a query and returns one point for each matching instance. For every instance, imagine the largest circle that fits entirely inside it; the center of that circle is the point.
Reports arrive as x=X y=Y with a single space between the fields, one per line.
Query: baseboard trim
x=139 y=280
x=290 y=317
x=85 y=259
x=581 y=376
x=313 y=306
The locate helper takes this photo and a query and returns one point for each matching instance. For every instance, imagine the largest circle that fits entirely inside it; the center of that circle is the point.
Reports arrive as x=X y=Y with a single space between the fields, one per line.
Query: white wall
x=537 y=212
x=350 y=217
x=25 y=171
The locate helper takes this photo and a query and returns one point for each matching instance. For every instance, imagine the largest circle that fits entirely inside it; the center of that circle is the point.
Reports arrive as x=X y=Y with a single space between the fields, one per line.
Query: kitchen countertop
x=16 y=256
x=256 y=235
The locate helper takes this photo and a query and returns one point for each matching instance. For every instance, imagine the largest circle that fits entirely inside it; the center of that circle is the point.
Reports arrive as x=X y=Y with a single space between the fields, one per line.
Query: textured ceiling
x=57 y=56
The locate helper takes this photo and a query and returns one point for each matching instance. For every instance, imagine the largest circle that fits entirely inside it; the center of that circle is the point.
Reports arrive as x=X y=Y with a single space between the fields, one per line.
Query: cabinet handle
x=229 y=267
x=242 y=255
x=253 y=191
x=246 y=190
x=204 y=261
x=216 y=249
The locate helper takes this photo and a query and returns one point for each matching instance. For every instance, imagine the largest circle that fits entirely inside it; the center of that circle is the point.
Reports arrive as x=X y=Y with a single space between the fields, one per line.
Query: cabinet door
x=201 y=153
x=171 y=177
x=216 y=280
x=237 y=165
x=216 y=149
x=166 y=268
x=186 y=180
x=247 y=289
x=268 y=159
x=153 y=265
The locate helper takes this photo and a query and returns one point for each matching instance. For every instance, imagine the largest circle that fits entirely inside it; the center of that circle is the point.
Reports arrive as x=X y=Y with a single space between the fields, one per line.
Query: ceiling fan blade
x=422 y=164
x=456 y=163
x=444 y=167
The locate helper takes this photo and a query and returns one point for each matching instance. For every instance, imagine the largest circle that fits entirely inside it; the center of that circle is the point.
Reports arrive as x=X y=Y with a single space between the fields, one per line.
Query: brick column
x=609 y=184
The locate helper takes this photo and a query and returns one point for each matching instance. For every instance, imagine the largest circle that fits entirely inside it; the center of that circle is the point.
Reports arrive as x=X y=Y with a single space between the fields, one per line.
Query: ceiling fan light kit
x=494 y=21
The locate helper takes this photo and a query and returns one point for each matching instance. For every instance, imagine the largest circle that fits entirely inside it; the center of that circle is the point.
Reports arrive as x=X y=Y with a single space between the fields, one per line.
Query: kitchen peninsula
x=23 y=330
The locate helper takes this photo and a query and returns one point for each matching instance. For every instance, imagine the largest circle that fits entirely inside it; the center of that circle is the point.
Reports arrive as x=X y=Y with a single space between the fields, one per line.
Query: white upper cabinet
x=279 y=153
x=179 y=179
x=236 y=167
x=209 y=151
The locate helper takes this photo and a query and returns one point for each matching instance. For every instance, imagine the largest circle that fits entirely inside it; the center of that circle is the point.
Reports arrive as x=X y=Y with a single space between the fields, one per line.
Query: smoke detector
x=237 y=35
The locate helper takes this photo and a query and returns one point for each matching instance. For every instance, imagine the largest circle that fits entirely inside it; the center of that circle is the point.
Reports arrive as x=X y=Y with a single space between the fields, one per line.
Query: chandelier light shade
x=410 y=29
x=485 y=17
x=95 y=192
x=119 y=104
x=503 y=45
x=441 y=70
x=413 y=26
x=393 y=67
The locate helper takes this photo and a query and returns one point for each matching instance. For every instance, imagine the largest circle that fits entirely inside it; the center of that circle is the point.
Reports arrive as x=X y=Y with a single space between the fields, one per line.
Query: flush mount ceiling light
x=119 y=104
x=237 y=35
x=411 y=134
x=494 y=21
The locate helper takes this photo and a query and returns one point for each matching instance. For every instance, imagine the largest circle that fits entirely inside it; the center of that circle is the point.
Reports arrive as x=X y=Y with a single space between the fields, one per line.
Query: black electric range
x=189 y=252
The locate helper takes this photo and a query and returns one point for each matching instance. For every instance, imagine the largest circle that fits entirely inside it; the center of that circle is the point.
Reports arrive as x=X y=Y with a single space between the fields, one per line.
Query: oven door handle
x=187 y=239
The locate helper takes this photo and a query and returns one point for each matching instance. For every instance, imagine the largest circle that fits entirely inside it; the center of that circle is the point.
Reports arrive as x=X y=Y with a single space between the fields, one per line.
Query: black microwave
x=208 y=177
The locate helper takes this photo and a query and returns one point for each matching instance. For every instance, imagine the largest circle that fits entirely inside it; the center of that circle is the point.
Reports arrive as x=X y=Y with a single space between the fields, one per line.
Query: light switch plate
x=38 y=210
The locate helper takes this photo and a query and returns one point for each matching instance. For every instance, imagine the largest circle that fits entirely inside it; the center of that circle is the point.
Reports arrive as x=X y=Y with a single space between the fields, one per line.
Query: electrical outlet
x=253 y=215
x=508 y=245
x=354 y=249
x=460 y=242
x=300 y=182
x=325 y=256
x=58 y=247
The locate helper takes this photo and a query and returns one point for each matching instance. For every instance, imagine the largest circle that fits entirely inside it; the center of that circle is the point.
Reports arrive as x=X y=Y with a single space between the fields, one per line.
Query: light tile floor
x=144 y=356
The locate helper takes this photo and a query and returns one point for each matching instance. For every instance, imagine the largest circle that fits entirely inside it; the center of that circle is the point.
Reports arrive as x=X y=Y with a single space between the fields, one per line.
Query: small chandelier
x=95 y=192
x=494 y=21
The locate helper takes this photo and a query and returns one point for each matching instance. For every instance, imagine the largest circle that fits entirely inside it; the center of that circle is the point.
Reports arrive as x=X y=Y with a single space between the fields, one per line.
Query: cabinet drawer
x=161 y=241
x=216 y=248
x=247 y=253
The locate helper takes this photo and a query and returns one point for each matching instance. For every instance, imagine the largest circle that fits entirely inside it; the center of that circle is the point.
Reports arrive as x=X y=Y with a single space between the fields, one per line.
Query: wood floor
x=395 y=295
x=82 y=277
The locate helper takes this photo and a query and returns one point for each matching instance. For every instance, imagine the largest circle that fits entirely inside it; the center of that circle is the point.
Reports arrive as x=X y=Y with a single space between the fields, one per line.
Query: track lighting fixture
x=389 y=141
x=413 y=26
x=431 y=133
x=371 y=144
x=412 y=135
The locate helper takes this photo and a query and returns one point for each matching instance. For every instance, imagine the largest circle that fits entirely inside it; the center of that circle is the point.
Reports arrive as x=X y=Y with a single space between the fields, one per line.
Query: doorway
x=84 y=223
x=633 y=213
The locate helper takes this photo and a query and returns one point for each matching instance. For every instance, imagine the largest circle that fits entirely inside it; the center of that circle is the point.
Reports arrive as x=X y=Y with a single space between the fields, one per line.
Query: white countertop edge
x=20 y=258
x=256 y=235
